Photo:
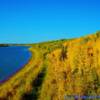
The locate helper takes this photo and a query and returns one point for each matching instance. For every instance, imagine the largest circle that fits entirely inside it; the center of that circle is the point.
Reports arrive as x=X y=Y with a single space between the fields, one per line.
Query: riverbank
x=22 y=78
x=57 y=69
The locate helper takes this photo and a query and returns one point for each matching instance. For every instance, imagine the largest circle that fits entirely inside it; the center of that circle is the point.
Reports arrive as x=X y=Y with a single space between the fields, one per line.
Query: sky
x=32 y=21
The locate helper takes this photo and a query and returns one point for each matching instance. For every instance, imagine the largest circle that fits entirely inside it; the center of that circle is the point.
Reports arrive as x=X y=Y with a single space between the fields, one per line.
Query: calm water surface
x=12 y=59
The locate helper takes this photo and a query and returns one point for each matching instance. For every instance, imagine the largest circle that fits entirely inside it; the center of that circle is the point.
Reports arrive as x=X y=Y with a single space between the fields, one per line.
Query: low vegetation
x=56 y=70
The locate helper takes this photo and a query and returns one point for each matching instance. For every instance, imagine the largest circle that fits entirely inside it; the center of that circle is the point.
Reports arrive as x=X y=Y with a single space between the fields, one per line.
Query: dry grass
x=57 y=69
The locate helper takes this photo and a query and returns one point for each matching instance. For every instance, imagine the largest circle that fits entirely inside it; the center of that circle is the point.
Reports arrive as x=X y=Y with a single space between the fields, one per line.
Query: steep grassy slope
x=58 y=69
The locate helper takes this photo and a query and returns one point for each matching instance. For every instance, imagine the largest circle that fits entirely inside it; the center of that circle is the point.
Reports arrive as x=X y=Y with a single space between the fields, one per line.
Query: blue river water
x=12 y=59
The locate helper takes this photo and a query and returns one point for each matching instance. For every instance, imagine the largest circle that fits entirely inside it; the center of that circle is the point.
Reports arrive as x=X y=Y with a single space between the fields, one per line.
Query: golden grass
x=72 y=68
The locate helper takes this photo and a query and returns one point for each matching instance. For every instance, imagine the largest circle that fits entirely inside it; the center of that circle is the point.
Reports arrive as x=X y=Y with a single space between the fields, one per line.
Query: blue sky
x=29 y=21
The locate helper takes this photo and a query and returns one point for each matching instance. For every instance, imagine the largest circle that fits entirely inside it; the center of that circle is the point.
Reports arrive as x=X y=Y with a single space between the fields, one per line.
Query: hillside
x=58 y=69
